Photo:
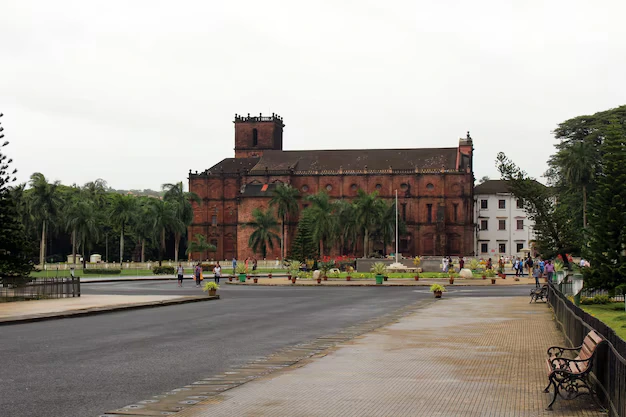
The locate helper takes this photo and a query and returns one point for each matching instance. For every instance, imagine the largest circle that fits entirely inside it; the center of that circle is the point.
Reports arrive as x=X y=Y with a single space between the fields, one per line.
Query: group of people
x=197 y=273
x=447 y=264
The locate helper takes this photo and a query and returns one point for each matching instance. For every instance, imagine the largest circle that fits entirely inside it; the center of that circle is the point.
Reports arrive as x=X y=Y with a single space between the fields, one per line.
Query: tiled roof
x=494 y=187
x=358 y=159
x=233 y=165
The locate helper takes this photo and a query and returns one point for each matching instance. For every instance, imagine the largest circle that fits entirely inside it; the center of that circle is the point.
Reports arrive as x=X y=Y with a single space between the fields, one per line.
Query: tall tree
x=200 y=245
x=285 y=198
x=606 y=249
x=387 y=224
x=323 y=219
x=175 y=194
x=44 y=204
x=123 y=209
x=556 y=234
x=367 y=215
x=164 y=219
x=264 y=224
x=82 y=220
x=14 y=264
x=348 y=228
x=304 y=245
x=143 y=224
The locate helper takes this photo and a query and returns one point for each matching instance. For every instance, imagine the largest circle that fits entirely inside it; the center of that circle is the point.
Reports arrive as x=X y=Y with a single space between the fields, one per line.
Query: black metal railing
x=40 y=288
x=609 y=370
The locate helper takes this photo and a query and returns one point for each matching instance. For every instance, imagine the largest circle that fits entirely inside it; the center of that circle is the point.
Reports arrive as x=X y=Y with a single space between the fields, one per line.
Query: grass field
x=612 y=314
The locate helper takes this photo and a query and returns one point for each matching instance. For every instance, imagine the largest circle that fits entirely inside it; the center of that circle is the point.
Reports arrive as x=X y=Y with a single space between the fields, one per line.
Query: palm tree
x=367 y=215
x=164 y=219
x=285 y=198
x=174 y=193
x=387 y=224
x=200 y=245
x=264 y=224
x=82 y=220
x=347 y=226
x=323 y=218
x=578 y=165
x=123 y=210
x=44 y=204
x=143 y=224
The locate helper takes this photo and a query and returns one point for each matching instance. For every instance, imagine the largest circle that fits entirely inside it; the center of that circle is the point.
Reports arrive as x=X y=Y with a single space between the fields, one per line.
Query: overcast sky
x=139 y=92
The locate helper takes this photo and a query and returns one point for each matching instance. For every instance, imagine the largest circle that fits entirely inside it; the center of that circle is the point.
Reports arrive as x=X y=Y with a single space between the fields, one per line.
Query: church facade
x=435 y=189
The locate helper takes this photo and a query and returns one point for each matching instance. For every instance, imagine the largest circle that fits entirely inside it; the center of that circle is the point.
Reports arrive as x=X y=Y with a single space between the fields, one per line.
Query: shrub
x=586 y=300
x=379 y=268
x=437 y=287
x=102 y=271
x=207 y=267
x=163 y=270
x=210 y=286
x=601 y=299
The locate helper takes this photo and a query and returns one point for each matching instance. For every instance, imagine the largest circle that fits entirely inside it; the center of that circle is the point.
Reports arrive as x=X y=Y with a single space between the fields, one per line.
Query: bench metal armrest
x=557 y=351
x=563 y=365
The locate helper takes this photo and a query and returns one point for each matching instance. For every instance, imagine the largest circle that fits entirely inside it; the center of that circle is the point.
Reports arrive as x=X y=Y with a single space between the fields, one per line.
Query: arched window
x=255 y=137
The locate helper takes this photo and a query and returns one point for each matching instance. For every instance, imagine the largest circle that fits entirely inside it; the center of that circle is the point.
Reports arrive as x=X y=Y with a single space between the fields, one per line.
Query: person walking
x=198 y=273
x=180 y=271
x=254 y=262
x=520 y=267
x=542 y=267
x=234 y=265
x=549 y=270
x=536 y=275
x=529 y=265
x=461 y=262
x=218 y=272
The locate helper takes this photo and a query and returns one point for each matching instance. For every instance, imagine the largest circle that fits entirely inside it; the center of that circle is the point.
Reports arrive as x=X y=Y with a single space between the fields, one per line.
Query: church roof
x=357 y=159
x=345 y=159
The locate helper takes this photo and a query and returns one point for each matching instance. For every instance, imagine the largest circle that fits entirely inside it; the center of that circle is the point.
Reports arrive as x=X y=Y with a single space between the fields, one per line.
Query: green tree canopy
x=263 y=236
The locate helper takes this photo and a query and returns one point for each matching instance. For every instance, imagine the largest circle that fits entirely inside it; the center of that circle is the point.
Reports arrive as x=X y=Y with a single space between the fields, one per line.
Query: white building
x=502 y=225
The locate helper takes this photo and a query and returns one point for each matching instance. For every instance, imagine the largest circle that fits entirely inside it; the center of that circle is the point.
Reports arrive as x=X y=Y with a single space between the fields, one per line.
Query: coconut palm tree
x=367 y=215
x=285 y=198
x=164 y=219
x=200 y=245
x=82 y=220
x=143 y=224
x=44 y=205
x=387 y=224
x=123 y=210
x=348 y=229
x=175 y=194
x=323 y=219
x=264 y=225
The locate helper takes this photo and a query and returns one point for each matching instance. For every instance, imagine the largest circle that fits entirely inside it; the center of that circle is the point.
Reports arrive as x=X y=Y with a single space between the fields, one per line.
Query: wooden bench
x=570 y=377
x=539 y=294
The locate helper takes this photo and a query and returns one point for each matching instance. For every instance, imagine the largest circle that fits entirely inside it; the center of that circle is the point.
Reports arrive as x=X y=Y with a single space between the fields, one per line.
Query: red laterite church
x=435 y=188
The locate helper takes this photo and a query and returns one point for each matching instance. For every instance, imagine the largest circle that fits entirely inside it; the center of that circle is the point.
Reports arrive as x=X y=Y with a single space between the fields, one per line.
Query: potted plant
x=269 y=275
x=349 y=271
x=241 y=271
x=255 y=279
x=451 y=277
x=438 y=290
x=491 y=274
x=211 y=288
x=324 y=267
x=230 y=278
x=417 y=276
x=379 y=269
x=319 y=280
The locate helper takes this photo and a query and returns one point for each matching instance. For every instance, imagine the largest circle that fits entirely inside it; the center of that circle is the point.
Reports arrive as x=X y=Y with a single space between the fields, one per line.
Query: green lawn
x=612 y=314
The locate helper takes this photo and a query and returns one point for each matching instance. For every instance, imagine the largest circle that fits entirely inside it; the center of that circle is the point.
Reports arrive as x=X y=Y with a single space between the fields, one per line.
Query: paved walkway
x=85 y=304
x=456 y=357
x=391 y=282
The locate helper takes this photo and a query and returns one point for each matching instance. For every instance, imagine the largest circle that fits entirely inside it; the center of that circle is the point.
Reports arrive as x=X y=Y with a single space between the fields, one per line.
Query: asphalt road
x=88 y=365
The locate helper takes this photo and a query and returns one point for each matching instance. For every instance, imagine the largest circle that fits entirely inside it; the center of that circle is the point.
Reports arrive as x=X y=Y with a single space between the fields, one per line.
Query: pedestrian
x=529 y=265
x=234 y=265
x=520 y=267
x=180 y=271
x=444 y=264
x=516 y=267
x=536 y=275
x=254 y=265
x=461 y=262
x=198 y=273
x=218 y=272
x=489 y=264
x=542 y=266
x=549 y=270
x=450 y=265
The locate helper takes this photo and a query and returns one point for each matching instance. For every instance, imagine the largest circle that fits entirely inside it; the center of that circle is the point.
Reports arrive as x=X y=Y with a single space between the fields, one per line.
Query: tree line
x=324 y=224
x=86 y=218
x=583 y=211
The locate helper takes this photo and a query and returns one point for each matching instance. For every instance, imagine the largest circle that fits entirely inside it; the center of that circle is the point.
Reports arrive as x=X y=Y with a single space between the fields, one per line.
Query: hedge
x=163 y=270
x=101 y=271
x=207 y=267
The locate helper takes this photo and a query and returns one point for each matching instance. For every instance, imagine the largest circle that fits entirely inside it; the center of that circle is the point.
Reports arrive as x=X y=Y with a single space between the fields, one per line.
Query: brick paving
x=456 y=357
